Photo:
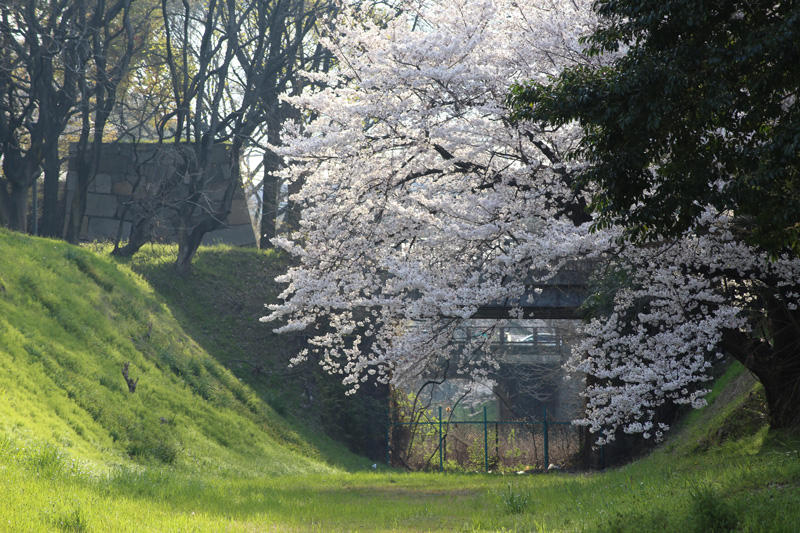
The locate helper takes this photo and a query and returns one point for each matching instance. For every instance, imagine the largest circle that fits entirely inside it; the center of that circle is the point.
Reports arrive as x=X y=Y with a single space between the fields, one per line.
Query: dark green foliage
x=359 y=420
x=604 y=285
x=704 y=91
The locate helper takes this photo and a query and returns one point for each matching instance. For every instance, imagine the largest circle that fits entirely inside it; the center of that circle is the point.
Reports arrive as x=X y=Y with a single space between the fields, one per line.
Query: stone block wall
x=133 y=178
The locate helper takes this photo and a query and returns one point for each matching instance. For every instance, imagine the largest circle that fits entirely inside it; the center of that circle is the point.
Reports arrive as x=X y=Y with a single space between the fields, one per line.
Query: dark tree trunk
x=140 y=235
x=81 y=168
x=18 y=174
x=75 y=212
x=272 y=184
x=293 y=209
x=782 y=390
x=50 y=225
x=774 y=361
x=187 y=248
x=18 y=207
x=269 y=204
x=5 y=208
x=191 y=233
x=189 y=241
x=782 y=373
x=81 y=178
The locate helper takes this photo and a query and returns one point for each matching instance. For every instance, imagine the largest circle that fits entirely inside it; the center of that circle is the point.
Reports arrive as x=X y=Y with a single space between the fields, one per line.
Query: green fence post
x=388 y=434
x=546 y=443
x=497 y=440
x=441 y=457
x=485 y=442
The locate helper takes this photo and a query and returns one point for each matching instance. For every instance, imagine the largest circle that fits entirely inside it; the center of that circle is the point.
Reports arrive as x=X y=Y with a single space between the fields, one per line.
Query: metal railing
x=442 y=427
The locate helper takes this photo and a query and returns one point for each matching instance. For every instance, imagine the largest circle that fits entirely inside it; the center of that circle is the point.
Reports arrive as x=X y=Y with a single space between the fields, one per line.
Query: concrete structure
x=560 y=297
x=132 y=178
x=530 y=354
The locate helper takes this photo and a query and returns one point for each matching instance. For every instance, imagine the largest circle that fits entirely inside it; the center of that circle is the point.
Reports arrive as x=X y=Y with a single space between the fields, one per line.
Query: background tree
x=226 y=64
x=700 y=107
x=115 y=33
x=308 y=57
x=690 y=138
x=62 y=67
x=42 y=55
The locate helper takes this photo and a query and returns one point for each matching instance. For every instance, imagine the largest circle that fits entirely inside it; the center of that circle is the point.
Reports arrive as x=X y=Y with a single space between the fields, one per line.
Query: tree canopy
x=91 y=72
x=422 y=201
x=698 y=107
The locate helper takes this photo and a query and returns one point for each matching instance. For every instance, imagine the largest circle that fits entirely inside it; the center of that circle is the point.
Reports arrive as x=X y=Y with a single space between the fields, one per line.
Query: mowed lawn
x=742 y=487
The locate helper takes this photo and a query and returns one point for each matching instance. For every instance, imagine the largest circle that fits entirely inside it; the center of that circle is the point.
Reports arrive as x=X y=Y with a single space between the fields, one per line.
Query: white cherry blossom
x=421 y=203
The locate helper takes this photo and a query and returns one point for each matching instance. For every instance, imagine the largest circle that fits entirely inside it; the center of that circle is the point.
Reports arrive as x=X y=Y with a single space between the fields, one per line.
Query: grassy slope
x=218 y=306
x=68 y=319
x=750 y=483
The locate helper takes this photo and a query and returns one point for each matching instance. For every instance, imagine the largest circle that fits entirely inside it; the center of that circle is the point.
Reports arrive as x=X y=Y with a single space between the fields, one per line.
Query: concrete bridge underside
x=557 y=298
x=553 y=302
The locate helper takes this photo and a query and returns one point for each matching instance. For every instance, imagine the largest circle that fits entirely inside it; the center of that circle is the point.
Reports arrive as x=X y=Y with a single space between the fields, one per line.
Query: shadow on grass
x=219 y=305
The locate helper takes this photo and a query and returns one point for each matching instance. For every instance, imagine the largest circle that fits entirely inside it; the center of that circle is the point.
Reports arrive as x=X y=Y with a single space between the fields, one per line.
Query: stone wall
x=135 y=180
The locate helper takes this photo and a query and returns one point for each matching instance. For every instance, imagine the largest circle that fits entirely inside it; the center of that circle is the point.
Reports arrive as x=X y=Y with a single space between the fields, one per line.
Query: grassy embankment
x=195 y=448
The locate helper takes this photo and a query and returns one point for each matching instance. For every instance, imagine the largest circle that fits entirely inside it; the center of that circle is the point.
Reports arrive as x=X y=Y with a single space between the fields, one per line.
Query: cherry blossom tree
x=685 y=303
x=422 y=202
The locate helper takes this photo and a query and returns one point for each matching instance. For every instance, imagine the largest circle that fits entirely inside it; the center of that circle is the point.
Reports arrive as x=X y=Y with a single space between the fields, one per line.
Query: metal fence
x=482 y=444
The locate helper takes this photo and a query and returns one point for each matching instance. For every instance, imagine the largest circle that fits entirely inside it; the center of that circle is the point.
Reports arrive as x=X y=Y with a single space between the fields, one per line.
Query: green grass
x=219 y=305
x=198 y=448
x=70 y=318
x=662 y=493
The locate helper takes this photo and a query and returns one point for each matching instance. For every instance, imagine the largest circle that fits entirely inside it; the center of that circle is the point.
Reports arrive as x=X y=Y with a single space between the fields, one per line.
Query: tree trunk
x=75 y=211
x=774 y=361
x=189 y=242
x=140 y=235
x=18 y=207
x=5 y=206
x=293 y=209
x=19 y=173
x=782 y=390
x=779 y=372
x=269 y=200
x=50 y=226
x=272 y=184
x=186 y=252
x=190 y=235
